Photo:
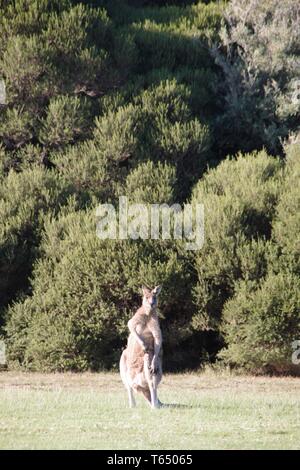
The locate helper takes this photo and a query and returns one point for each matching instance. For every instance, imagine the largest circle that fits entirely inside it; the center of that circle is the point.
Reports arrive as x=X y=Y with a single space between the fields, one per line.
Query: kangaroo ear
x=145 y=290
x=157 y=290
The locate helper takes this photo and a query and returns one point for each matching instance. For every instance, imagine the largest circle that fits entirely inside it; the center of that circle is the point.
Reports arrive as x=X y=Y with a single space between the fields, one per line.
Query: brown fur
x=140 y=363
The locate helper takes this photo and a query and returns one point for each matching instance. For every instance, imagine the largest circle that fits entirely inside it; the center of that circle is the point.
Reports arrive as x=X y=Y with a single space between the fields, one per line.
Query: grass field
x=90 y=411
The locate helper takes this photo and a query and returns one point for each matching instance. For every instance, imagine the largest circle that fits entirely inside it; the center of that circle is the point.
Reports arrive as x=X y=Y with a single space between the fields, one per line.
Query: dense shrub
x=169 y=133
x=79 y=321
x=25 y=68
x=144 y=100
x=78 y=40
x=246 y=271
x=90 y=173
x=115 y=133
x=3 y=158
x=158 y=125
x=67 y=120
x=259 y=56
x=152 y=183
x=28 y=155
x=239 y=198
x=16 y=127
x=24 y=198
x=176 y=43
x=27 y=17
x=286 y=226
x=261 y=322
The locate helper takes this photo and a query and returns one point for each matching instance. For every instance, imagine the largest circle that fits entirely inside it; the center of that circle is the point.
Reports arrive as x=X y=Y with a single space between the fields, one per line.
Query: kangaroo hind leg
x=124 y=377
x=152 y=381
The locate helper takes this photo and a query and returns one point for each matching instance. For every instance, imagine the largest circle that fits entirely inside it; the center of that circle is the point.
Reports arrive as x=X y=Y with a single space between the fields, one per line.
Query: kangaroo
x=140 y=363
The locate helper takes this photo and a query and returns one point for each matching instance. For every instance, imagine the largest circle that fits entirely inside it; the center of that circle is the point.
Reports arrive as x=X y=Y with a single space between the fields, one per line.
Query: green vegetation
x=176 y=103
x=90 y=411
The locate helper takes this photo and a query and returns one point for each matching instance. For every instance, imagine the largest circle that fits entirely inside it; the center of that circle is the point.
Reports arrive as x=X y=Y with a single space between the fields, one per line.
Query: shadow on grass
x=179 y=406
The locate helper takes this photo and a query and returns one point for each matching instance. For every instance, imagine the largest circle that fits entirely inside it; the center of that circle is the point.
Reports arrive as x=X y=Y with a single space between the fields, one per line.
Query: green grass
x=90 y=411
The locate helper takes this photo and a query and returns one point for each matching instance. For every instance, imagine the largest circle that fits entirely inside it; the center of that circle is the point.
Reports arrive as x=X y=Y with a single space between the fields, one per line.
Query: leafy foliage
x=147 y=99
x=24 y=199
x=66 y=121
x=260 y=323
x=259 y=56
x=79 y=321
x=239 y=199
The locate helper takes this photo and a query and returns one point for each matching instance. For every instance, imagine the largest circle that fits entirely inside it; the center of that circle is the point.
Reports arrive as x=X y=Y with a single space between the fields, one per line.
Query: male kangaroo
x=140 y=363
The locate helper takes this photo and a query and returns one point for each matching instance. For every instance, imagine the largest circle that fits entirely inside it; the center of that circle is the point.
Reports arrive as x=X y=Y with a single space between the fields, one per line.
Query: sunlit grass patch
x=205 y=411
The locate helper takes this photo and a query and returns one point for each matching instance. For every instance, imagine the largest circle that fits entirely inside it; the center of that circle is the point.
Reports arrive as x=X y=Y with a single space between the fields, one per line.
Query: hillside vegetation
x=182 y=102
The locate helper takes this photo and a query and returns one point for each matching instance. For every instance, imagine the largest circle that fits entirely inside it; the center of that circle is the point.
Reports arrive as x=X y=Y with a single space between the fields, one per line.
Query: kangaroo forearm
x=132 y=329
x=157 y=346
x=157 y=342
x=139 y=339
x=155 y=356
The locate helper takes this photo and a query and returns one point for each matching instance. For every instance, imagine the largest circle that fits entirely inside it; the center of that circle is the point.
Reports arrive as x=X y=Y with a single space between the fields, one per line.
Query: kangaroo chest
x=147 y=327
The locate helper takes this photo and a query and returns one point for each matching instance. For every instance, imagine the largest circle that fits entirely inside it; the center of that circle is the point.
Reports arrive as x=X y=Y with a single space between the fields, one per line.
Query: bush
x=242 y=284
x=28 y=156
x=3 y=162
x=157 y=126
x=151 y=183
x=165 y=100
x=90 y=173
x=169 y=133
x=66 y=52
x=261 y=80
x=27 y=18
x=260 y=316
x=286 y=225
x=26 y=70
x=130 y=98
x=239 y=198
x=77 y=40
x=260 y=324
x=16 y=127
x=188 y=145
x=79 y=321
x=67 y=120
x=24 y=198
x=174 y=37
x=115 y=133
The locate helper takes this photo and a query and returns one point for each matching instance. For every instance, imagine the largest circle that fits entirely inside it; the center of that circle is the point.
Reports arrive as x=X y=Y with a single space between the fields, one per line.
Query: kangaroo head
x=150 y=298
